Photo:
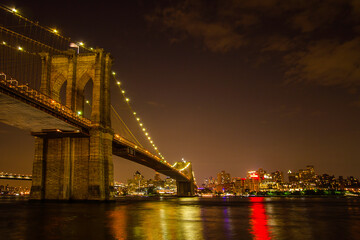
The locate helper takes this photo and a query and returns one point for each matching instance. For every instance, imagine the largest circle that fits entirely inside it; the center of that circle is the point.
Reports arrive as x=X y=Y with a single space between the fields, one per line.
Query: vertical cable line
x=127 y=129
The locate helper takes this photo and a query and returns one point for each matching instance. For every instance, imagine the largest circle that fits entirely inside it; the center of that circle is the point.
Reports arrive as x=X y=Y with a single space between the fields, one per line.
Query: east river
x=183 y=218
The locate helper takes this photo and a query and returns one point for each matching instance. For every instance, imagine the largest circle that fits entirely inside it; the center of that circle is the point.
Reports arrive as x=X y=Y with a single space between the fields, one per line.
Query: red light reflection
x=258 y=219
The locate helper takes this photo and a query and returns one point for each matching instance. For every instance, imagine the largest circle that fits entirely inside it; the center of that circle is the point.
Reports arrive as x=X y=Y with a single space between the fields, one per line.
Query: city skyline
x=236 y=97
x=305 y=181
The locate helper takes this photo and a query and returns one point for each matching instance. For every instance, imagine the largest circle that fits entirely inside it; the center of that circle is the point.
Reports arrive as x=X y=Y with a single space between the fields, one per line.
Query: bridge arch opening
x=62 y=93
x=56 y=88
x=88 y=97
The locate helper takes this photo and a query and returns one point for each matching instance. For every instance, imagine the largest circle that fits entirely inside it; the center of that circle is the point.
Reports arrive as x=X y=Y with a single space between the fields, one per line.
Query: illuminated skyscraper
x=223 y=178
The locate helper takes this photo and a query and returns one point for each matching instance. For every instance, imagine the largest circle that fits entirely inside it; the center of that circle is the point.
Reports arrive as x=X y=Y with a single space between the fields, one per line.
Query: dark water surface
x=184 y=218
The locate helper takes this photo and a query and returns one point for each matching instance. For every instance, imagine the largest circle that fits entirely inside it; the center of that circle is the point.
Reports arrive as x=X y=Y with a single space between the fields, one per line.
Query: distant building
x=293 y=177
x=240 y=185
x=278 y=177
x=136 y=183
x=307 y=175
x=253 y=180
x=157 y=177
x=223 y=178
x=158 y=183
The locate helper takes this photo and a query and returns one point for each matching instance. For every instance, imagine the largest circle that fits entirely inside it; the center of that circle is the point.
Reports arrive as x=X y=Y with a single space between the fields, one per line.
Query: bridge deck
x=26 y=110
x=122 y=149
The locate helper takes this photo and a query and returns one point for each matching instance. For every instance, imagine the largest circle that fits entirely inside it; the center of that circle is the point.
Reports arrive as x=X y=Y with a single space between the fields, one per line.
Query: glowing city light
x=20 y=48
x=126 y=99
x=113 y=73
x=118 y=83
x=55 y=31
x=14 y=10
x=81 y=44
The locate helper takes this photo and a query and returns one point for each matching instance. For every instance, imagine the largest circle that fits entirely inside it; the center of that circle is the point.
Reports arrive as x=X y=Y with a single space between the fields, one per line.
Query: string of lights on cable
x=55 y=31
x=137 y=118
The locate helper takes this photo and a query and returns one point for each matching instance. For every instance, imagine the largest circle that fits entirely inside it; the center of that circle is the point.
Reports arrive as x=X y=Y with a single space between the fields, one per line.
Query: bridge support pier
x=185 y=189
x=73 y=167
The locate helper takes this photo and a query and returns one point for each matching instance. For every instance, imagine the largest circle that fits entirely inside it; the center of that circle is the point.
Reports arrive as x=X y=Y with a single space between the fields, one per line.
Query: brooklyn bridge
x=59 y=91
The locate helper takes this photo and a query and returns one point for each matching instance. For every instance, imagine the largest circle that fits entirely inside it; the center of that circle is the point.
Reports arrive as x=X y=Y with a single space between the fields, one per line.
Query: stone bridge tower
x=76 y=166
x=185 y=188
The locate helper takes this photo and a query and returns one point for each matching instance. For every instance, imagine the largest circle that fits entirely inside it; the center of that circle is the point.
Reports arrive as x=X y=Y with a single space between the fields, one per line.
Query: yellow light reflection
x=191 y=223
x=118 y=219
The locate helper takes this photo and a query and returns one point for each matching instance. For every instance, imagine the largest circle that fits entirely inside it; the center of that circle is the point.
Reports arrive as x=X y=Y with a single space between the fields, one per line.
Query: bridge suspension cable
x=21 y=41
x=140 y=123
x=123 y=129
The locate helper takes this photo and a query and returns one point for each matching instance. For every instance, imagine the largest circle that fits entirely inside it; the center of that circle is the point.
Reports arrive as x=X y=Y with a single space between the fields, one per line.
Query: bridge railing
x=42 y=98
x=146 y=152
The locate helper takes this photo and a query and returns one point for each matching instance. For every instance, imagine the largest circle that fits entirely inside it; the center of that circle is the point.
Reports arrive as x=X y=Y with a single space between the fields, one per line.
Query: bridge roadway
x=11 y=176
x=30 y=110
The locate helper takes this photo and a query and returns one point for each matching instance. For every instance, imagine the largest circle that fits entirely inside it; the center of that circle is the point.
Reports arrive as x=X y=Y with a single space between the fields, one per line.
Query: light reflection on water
x=258 y=219
x=184 y=218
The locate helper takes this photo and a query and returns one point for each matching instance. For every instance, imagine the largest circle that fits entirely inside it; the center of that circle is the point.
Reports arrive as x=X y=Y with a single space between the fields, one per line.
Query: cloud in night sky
x=317 y=39
x=215 y=25
x=327 y=63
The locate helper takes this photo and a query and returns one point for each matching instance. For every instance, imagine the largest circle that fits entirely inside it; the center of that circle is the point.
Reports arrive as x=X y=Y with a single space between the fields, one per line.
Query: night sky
x=228 y=85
